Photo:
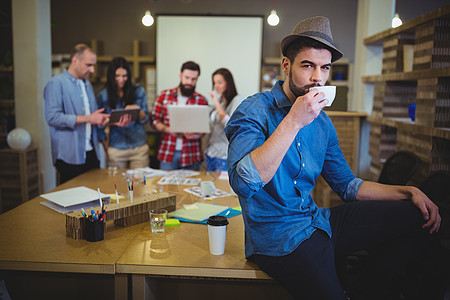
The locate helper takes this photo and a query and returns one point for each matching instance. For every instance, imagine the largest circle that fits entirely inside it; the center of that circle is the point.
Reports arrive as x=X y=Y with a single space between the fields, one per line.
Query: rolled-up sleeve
x=244 y=135
x=246 y=180
x=352 y=189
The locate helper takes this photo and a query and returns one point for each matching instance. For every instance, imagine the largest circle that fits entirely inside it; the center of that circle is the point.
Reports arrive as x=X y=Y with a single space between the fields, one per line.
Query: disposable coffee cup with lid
x=217 y=232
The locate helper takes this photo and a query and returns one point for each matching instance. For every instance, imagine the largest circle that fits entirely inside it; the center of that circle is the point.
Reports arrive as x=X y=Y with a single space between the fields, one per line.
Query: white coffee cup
x=328 y=90
x=217 y=232
x=208 y=188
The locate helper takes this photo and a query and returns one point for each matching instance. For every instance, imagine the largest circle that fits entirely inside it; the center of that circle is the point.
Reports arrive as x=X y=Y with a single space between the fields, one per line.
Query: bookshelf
x=19 y=177
x=136 y=60
x=423 y=81
x=340 y=76
x=6 y=103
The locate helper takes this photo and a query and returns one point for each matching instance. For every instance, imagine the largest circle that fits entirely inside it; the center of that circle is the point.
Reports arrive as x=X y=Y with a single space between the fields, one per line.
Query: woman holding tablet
x=127 y=145
x=226 y=100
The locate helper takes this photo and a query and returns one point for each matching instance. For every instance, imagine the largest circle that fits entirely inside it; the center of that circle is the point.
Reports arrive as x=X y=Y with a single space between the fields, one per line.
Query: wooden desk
x=183 y=252
x=32 y=238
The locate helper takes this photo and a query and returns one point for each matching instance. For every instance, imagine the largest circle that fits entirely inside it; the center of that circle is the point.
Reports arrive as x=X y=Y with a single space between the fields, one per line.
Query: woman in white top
x=226 y=100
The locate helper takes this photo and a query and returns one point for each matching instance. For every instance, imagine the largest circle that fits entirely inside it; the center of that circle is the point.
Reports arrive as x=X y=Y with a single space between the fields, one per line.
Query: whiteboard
x=213 y=42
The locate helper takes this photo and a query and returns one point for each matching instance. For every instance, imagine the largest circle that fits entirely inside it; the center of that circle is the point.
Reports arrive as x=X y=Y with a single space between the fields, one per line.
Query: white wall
x=213 y=42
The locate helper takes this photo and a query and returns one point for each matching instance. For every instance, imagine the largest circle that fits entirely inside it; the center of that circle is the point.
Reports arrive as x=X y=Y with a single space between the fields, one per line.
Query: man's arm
x=158 y=116
x=162 y=127
x=377 y=191
x=267 y=157
x=96 y=118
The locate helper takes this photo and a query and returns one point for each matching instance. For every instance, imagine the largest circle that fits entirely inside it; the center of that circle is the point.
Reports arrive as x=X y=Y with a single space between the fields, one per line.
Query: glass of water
x=158 y=220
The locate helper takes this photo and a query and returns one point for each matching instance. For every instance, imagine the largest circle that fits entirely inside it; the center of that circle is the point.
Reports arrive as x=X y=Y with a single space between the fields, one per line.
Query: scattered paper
x=197 y=191
x=175 y=180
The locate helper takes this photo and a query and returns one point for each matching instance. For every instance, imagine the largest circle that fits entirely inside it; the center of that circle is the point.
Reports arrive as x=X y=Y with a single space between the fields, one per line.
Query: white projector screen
x=213 y=42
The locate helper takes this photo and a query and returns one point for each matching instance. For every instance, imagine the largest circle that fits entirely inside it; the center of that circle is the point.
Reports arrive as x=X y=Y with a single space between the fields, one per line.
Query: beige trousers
x=129 y=158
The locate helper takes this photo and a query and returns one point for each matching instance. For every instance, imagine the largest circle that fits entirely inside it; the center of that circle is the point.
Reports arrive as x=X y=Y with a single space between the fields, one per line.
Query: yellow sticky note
x=113 y=197
x=172 y=222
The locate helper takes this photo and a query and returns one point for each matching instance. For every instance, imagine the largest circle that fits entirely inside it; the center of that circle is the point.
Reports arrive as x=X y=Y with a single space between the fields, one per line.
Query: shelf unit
x=135 y=60
x=19 y=177
x=340 y=76
x=398 y=89
x=6 y=102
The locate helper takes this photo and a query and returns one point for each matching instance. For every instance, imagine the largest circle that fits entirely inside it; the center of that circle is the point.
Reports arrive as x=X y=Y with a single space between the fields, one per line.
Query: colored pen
x=94 y=216
x=83 y=212
x=117 y=195
x=145 y=184
x=100 y=197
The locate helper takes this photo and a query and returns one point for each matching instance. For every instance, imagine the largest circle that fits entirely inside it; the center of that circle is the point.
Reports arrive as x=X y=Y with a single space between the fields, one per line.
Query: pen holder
x=94 y=230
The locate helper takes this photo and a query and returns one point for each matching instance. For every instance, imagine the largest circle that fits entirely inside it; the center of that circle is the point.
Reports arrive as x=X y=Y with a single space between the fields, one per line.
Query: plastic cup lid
x=217 y=221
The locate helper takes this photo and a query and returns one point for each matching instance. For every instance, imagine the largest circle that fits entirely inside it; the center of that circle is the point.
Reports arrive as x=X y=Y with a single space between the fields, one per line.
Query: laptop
x=189 y=118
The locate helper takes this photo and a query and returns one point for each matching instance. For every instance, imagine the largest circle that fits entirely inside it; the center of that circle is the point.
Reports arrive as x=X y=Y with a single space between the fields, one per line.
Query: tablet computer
x=189 y=118
x=118 y=112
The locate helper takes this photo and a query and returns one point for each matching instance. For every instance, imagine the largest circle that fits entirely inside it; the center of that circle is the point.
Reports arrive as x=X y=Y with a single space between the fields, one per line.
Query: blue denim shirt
x=63 y=102
x=281 y=214
x=134 y=134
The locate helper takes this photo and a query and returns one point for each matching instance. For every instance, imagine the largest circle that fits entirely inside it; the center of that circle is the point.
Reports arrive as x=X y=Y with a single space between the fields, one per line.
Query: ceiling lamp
x=147 y=19
x=396 y=21
x=273 y=18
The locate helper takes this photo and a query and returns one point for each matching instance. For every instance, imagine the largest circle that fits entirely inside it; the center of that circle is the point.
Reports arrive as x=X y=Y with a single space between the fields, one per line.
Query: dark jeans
x=69 y=171
x=175 y=164
x=391 y=230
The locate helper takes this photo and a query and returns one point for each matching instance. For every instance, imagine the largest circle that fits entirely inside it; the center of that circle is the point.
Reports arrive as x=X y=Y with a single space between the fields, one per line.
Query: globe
x=18 y=139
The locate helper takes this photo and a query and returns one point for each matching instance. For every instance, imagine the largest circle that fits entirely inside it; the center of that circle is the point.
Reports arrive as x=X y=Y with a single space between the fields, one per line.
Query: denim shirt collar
x=280 y=96
x=70 y=76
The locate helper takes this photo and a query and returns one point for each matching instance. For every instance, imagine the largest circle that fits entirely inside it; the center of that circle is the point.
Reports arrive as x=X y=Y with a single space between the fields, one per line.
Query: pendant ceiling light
x=273 y=18
x=396 y=21
x=147 y=19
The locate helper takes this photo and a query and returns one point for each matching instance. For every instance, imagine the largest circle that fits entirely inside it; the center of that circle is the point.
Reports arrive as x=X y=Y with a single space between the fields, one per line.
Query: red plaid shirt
x=191 y=151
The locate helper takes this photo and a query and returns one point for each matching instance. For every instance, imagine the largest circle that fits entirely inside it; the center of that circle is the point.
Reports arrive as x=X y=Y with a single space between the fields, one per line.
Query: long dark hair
x=230 y=92
x=111 y=86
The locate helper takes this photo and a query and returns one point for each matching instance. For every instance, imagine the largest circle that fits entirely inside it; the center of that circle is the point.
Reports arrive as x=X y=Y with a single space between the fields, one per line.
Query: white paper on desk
x=197 y=191
x=183 y=173
x=75 y=196
x=174 y=180
x=65 y=210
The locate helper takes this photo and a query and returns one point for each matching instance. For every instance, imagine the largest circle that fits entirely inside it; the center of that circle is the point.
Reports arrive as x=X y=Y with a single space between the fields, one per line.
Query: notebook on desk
x=189 y=118
x=201 y=212
x=73 y=199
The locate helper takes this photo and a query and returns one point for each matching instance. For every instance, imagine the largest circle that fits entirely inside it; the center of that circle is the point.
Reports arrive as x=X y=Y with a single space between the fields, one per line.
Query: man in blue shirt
x=71 y=112
x=280 y=142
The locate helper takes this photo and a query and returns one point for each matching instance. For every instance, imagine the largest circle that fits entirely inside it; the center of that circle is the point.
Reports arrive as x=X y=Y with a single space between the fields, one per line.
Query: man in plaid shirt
x=179 y=151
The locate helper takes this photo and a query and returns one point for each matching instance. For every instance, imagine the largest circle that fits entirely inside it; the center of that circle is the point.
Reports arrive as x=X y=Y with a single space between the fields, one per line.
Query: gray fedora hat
x=316 y=28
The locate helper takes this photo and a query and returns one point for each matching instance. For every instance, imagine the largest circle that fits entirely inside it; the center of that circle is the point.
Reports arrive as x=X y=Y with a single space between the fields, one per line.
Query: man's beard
x=297 y=90
x=186 y=91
